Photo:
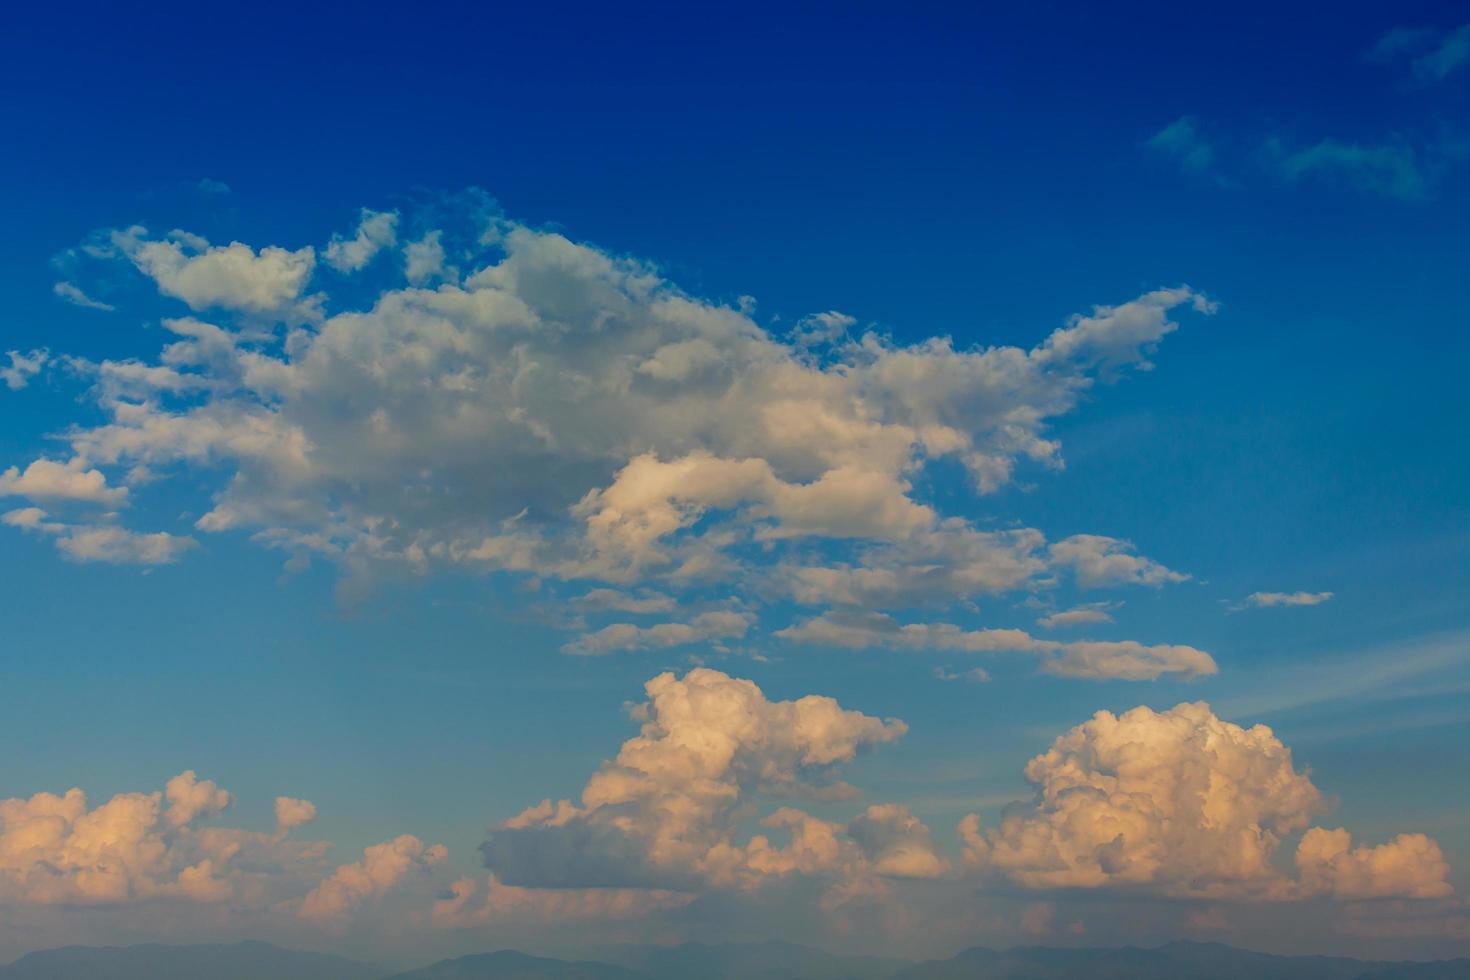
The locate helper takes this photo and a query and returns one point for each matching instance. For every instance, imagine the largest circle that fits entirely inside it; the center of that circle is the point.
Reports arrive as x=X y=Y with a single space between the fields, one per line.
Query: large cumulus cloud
x=1181 y=802
x=667 y=812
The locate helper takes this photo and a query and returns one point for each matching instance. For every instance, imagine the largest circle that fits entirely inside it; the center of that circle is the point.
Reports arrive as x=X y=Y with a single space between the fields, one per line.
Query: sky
x=893 y=480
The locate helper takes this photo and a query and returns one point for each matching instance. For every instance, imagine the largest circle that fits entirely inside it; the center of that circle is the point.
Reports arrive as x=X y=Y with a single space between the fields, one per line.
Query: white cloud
x=46 y=479
x=1182 y=803
x=23 y=367
x=1092 y=659
x=74 y=295
x=376 y=231
x=232 y=277
x=1269 y=599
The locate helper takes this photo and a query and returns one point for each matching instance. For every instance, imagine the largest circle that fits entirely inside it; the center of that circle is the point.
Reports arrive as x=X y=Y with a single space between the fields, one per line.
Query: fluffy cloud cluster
x=1182 y=803
x=550 y=409
x=666 y=813
x=152 y=847
x=56 y=850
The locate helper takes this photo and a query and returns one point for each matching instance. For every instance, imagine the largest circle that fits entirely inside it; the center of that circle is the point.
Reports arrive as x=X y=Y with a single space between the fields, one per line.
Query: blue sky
x=979 y=175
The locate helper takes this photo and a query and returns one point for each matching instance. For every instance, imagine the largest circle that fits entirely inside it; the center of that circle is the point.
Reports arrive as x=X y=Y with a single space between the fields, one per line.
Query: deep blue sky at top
x=976 y=170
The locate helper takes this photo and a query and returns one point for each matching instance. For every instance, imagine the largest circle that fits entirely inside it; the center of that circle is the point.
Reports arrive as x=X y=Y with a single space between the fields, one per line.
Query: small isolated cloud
x=1092 y=612
x=1183 y=803
x=1266 y=600
x=976 y=675
x=208 y=185
x=23 y=367
x=74 y=295
x=376 y=231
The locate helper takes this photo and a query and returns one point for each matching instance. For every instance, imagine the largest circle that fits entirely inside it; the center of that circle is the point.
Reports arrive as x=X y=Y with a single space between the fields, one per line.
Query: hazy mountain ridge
x=214 y=961
x=730 y=961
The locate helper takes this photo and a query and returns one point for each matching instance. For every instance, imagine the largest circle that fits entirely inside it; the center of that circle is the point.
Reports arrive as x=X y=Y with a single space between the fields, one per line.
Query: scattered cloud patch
x=108 y=543
x=23 y=367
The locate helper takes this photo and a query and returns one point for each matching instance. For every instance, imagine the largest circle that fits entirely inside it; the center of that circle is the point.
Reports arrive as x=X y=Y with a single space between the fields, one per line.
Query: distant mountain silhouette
x=729 y=961
x=233 y=961
x=1176 y=961
x=511 y=965
x=752 y=961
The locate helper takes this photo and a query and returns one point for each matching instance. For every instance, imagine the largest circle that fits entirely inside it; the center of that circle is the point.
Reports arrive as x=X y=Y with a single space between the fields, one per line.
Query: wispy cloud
x=1433 y=54
x=74 y=295
x=1369 y=674
x=1391 y=169
x=1182 y=142
x=1264 y=600
x=1092 y=612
